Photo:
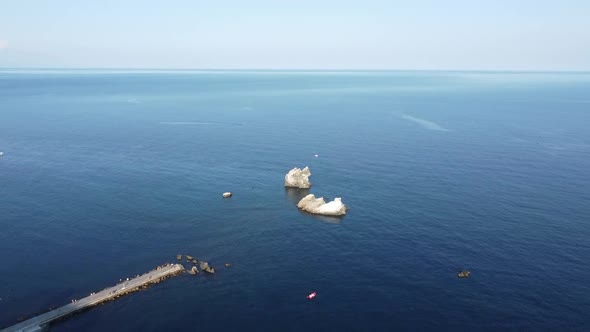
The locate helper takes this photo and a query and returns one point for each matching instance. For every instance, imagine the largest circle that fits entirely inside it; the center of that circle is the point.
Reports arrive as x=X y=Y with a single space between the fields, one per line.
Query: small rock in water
x=195 y=261
x=179 y=257
x=205 y=267
x=194 y=270
x=464 y=274
x=189 y=257
x=227 y=264
x=227 y=194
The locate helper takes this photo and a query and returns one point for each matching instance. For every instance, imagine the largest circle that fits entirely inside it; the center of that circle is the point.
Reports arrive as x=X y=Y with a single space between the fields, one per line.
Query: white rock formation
x=318 y=206
x=298 y=178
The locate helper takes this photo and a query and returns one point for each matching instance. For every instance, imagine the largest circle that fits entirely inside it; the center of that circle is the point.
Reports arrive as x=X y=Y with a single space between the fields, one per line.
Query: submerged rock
x=227 y=194
x=464 y=274
x=189 y=257
x=179 y=257
x=318 y=206
x=195 y=261
x=227 y=264
x=298 y=178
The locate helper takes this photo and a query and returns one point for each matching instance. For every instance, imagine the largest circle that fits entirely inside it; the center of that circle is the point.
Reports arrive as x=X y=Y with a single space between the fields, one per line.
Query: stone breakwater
x=124 y=287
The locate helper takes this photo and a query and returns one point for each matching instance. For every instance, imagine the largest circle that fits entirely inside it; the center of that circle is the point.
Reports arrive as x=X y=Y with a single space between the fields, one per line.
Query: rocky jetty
x=315 y=205
x=298 y=178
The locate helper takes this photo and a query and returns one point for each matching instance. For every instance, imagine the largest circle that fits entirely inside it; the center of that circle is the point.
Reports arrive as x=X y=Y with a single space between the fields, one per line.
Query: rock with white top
x=315 y=205
x=298 y=178
x=227 y=194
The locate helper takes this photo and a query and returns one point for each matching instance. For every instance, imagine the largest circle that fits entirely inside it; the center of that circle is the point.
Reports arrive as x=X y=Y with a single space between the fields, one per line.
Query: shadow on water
x=296 y=194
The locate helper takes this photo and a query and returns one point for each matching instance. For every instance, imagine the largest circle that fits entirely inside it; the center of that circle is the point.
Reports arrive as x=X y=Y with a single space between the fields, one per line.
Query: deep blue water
x=106 y=175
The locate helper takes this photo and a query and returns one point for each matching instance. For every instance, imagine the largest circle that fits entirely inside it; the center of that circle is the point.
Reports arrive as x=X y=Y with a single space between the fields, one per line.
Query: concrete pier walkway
x=122 y=288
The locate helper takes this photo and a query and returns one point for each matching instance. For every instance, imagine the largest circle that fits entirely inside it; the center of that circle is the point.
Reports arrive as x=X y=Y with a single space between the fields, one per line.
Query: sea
x=107 y=174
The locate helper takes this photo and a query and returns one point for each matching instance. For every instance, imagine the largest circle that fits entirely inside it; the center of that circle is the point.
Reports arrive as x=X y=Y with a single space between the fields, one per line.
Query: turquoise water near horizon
x=106 y=175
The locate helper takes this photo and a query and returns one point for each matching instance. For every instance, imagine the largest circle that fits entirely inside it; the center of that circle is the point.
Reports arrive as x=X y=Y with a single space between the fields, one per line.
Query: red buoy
x=311 y=296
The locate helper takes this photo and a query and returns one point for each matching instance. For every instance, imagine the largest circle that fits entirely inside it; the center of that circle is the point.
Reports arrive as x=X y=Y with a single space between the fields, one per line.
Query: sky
x=302 y=34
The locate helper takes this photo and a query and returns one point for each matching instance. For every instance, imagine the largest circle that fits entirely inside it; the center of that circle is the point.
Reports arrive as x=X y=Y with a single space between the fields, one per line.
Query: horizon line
x=138 y=69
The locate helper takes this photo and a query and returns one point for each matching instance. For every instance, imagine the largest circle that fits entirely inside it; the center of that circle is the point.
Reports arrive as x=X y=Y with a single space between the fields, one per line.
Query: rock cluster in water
x=298 y=178
x=315 y=205
x=205 y=267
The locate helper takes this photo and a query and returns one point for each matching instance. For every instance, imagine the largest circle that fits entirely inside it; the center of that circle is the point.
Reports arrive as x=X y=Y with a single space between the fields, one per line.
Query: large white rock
x=318 y=206
x=298 y=178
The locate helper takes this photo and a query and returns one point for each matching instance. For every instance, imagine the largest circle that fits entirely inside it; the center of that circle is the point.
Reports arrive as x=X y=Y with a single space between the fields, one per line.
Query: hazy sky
x=314 y=34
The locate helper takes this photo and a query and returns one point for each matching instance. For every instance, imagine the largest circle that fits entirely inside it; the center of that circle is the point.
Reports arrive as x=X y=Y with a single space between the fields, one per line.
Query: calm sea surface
x=106 y=175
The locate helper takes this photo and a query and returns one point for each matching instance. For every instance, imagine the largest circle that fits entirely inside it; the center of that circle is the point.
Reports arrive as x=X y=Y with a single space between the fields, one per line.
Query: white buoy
x=227 y=194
